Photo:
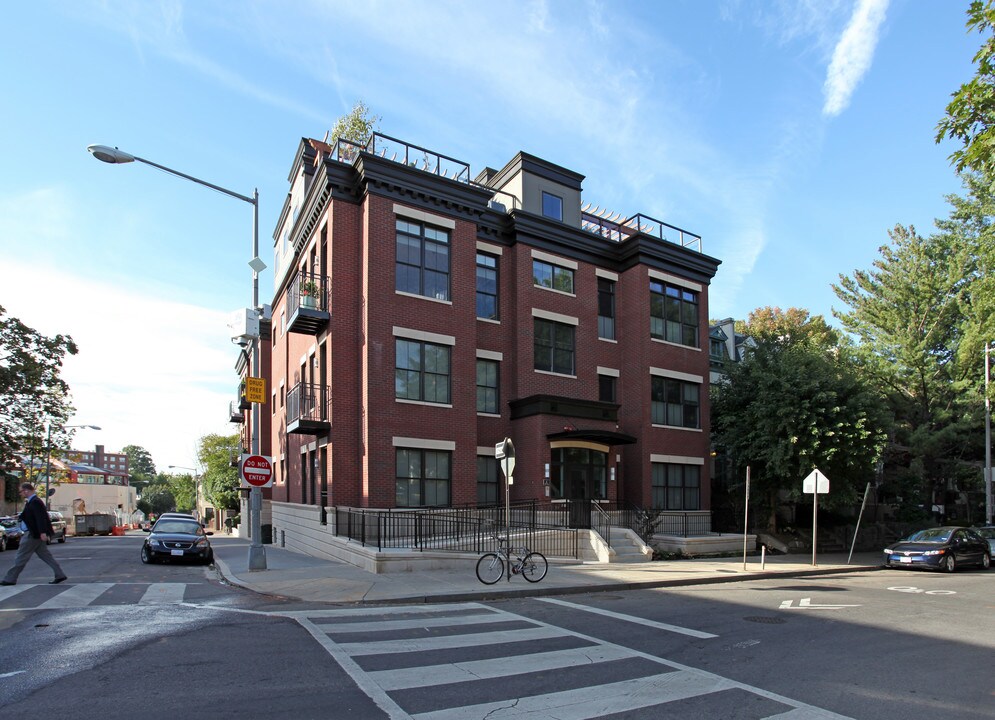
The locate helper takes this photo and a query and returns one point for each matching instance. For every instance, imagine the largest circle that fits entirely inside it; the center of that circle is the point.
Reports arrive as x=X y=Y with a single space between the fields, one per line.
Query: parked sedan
x=939 y=548
x=11 y=536
x=177 y=539
x=988 y=533
x=58 y=527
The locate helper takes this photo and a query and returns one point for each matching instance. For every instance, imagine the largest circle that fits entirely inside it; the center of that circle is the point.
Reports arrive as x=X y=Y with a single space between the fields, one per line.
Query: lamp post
x=989 y=347
x=104 y=153
x=48 y=452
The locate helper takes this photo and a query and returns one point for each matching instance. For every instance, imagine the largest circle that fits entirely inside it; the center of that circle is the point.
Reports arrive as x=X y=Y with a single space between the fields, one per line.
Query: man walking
x=38 y=529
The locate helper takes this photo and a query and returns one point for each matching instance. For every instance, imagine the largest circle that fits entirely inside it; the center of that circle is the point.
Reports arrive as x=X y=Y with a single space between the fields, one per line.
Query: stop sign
x=257 y=471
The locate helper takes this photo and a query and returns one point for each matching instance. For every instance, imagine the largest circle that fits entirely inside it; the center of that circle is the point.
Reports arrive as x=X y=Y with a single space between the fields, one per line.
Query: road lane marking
x=495 y=637
x=631 y=618
x=11 y=674
x=9 y=591
x=807 y=604
x=75 y=596
x=163 y=594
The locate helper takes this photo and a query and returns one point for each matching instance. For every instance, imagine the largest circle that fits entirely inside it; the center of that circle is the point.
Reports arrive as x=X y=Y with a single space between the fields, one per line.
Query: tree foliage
x=157 y=497
x=970 y=114
x=357 y=125
x=184 y=490
x=220 y=478
x=140 y=464
x=32 y=391
x=793 y=404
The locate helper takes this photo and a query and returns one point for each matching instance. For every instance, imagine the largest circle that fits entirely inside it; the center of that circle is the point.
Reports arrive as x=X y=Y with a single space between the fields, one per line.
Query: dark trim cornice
x=575 y=408
x=539 y=167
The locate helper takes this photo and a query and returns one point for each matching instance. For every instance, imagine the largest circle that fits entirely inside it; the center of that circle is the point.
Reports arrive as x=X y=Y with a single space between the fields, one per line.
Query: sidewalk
x=290 y=574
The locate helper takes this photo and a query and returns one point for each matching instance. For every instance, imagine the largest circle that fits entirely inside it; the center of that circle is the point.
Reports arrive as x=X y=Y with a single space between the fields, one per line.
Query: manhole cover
x=769 y=620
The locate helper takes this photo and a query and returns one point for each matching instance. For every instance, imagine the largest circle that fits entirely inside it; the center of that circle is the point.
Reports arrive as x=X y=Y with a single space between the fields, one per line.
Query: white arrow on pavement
x=807 y=604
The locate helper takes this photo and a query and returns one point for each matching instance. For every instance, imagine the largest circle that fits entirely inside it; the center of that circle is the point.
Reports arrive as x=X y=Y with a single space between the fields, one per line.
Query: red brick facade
x=345 y=231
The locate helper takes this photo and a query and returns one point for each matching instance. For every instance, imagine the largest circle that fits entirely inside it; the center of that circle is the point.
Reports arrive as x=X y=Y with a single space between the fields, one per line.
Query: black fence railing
x=458 y=529
x=308 y=290
x=307 y=401
x=682 y=524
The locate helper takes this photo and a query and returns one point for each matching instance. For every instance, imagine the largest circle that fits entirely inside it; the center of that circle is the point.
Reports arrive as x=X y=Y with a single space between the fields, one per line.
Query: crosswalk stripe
x=592 y=702
x=163 y=594
x=631 y=618
x=9 y=591
x=384 y=647
x=403 y=678
x=807 y=712
x=384 y=625
x=392 y=610
x=76 y=596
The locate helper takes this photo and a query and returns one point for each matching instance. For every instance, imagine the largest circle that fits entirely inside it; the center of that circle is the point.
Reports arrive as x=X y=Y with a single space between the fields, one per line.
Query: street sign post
x=256 y=471
x=504 y=451
x=815 y=484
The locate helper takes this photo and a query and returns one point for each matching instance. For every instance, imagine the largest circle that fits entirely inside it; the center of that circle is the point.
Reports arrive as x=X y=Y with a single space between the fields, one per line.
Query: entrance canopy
x=603 y=437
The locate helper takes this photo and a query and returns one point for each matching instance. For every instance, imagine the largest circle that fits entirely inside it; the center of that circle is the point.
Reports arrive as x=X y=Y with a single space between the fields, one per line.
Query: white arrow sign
x=806 y=604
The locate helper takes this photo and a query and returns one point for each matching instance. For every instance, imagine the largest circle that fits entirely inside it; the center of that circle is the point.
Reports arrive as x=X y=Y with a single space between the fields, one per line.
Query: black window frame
x=427 y=237
x=674 y=314
x=488 y=481
x=489 y=395
x=670 y=398
x=545 y=346
x=607 y=388
x=558 y=215
x=675 y=486
x=606 y=309
x=421 y=370
x=554 y=274
x=482 y=293
x=408 y=481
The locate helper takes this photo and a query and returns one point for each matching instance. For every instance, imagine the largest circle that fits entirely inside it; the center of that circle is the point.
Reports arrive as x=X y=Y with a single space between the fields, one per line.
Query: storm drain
x=766 y=619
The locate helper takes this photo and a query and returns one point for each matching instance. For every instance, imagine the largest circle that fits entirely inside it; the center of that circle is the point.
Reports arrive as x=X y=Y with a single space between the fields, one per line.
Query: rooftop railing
x=413 y=156
x=614 y=228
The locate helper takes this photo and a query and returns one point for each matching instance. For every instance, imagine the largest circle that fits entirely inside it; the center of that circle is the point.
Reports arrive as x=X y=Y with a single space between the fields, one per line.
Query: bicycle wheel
x=534 y=567
x=490 y=568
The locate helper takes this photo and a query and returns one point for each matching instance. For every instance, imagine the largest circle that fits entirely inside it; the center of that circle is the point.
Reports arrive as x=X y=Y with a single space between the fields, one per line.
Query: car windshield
x=8 y=522
x=937 y=535
x=178 y=526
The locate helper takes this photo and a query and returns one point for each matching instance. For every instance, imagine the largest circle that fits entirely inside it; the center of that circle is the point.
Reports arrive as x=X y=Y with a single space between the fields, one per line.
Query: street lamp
x=989 y=347
x=114 y=156
x=48 y=452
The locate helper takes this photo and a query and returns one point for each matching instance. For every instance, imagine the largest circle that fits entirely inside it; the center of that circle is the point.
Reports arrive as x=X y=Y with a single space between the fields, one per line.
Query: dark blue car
x=939 y=548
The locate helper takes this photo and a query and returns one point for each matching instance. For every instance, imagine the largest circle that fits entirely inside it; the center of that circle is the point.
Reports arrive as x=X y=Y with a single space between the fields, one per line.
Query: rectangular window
x=717 y=349
x=673 y=314
x=487 y=481
x=422 y=266
x=487 y=386
x=606 y=388
x=552 y=206
x=606 y=309
x=487 y=286
x=551 y=276
x=674 y=402
x=554 y=347
x=421 y=371
x=423 y=478
x=676 y=487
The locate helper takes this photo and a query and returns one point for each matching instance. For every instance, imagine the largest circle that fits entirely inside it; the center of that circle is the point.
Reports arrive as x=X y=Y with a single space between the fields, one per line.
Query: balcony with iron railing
x=235 y=413
x=307 y=303
x=613 y=227
x=307 y=410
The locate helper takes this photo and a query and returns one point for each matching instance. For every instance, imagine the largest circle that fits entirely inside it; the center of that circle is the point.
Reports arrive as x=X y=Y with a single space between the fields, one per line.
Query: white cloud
x=853 y=55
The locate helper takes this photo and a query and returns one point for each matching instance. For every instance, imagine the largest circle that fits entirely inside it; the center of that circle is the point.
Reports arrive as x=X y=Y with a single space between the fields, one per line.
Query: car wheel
x=62 y=538
x=986 y=561
x=147 y=556
x=949 y=563
x=209 y=560
x=3 y=543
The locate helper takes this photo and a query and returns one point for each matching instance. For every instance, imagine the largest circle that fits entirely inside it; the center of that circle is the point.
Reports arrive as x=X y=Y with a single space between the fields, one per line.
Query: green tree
x=792 y=405
x=140 y=465
x=184 y=489
x=357 y=125
x=158 y=497
x=908 y=314
x=970 y=114
x=220 y=478
x=32 y=391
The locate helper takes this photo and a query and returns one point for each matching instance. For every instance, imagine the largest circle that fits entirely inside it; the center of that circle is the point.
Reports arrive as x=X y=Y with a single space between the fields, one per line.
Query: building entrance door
x=577 y=476
x=579 y=497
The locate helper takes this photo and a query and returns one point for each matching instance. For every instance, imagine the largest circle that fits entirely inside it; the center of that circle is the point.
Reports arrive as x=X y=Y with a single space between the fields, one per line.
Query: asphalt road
x=122 y=639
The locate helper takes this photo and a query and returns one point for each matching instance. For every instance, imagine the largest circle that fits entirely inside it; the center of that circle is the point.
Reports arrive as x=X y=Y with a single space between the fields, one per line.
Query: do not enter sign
x=257 y=471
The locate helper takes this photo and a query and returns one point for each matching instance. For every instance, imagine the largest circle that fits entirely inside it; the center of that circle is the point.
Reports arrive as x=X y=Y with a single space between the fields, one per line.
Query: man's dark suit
x=35 y=516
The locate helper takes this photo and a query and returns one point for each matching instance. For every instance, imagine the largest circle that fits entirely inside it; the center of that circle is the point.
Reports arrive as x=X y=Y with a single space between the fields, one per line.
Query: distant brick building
x=422 y=315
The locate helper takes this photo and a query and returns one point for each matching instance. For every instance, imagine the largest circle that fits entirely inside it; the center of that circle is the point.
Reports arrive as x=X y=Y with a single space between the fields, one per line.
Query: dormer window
x=552 y=206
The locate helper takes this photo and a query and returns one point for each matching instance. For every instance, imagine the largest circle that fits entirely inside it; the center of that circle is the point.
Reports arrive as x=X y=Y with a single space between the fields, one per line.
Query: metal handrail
x=602 y=522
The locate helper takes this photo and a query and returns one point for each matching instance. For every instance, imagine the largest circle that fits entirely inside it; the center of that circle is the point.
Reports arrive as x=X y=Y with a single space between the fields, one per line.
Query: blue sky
x=790 y=135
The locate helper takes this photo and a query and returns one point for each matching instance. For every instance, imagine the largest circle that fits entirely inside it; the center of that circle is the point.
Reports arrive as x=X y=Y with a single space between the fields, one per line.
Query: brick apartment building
x=422 y=315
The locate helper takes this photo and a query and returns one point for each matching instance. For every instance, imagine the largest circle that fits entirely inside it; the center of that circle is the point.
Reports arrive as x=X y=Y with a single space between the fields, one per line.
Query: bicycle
x=530 y=565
